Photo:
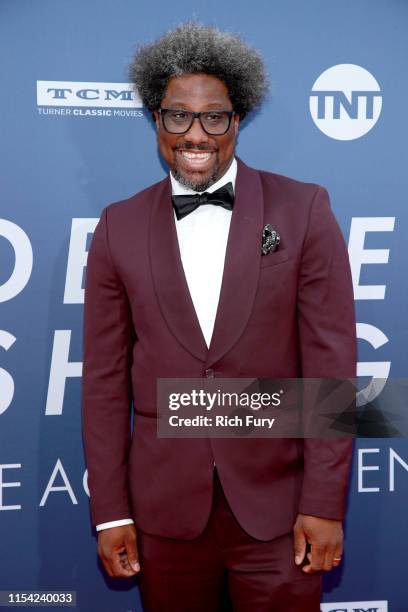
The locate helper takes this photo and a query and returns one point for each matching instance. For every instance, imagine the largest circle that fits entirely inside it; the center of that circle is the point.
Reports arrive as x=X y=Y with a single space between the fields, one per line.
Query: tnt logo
x=345 y=102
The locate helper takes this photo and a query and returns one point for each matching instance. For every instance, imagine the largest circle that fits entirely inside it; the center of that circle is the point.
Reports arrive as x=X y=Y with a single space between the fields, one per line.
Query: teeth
x=202 y=156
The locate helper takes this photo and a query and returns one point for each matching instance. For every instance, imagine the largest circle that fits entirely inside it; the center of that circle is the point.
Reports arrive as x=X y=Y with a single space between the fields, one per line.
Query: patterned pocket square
x=270 y=239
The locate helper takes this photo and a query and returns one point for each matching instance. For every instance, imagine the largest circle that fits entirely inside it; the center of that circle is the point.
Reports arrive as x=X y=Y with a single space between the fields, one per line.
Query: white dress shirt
x=202 y=237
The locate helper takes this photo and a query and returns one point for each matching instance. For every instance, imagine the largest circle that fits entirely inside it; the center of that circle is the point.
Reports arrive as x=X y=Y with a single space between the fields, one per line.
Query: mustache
x=196 y=147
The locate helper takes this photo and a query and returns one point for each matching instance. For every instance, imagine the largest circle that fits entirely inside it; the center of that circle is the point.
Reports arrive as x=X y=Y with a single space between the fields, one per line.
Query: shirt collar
x=229 y=177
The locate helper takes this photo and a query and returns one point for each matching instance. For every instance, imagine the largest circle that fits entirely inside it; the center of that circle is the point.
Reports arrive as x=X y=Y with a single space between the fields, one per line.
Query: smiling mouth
x=195 y=160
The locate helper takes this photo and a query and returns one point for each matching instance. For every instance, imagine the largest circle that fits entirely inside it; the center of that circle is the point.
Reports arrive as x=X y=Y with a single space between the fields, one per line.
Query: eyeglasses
x=179 y=121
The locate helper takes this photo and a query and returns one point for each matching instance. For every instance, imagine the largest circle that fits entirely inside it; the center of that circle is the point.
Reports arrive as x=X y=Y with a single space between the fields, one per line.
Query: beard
x=197 y=184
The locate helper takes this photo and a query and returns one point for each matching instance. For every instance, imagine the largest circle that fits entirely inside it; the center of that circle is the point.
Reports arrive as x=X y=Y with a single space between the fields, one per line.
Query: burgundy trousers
x=223 y=569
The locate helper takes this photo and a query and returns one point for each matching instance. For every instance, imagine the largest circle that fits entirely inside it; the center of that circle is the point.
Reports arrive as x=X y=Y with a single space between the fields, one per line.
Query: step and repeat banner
x=75 y=137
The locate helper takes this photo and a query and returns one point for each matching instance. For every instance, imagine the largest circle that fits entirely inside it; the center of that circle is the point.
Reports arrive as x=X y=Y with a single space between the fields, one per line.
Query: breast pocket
x=274 y=258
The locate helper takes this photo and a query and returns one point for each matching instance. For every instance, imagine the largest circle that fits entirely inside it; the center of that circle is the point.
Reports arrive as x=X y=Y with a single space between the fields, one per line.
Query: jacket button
x=209 y=373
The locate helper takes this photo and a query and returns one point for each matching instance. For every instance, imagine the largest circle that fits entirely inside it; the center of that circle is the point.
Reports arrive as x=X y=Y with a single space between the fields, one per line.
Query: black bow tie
x=185 y=204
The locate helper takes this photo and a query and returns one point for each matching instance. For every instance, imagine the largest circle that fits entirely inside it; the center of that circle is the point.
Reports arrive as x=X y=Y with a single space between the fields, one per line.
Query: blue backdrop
x=336 y=116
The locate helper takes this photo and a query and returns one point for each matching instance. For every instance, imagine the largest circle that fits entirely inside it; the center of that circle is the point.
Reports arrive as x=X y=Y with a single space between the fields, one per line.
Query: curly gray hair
x=194 y=48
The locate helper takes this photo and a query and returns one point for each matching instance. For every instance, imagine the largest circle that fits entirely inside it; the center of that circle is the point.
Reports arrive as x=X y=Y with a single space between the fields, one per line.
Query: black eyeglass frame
x=194 y=115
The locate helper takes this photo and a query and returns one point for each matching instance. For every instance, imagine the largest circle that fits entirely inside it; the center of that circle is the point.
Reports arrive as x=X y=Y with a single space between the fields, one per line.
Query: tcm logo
x=345 y=102
x=70 y=93
x=355 y=606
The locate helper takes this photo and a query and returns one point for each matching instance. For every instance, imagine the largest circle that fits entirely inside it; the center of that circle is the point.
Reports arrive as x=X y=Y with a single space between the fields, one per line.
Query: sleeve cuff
x=111 y=524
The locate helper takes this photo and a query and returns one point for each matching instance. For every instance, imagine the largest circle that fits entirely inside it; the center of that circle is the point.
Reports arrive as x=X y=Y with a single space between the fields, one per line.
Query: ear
x=237 y=120
x=156 y=119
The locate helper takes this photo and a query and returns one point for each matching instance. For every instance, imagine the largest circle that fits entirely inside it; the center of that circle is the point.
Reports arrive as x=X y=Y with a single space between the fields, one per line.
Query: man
x=179 y=288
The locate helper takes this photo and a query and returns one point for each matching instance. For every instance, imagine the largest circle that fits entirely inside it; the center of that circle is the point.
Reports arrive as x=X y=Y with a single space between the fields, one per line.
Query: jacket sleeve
x=327 y=337
x=106 y=384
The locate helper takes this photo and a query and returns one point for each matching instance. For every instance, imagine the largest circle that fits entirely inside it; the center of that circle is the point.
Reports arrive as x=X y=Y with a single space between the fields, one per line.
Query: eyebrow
x=210 y=105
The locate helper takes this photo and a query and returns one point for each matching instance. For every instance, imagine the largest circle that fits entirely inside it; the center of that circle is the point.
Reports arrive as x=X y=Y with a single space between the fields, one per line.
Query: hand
x=118 y=551
x=325 y=537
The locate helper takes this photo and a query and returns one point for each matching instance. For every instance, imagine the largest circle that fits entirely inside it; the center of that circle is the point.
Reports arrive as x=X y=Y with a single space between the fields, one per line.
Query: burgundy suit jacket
x=285 y=315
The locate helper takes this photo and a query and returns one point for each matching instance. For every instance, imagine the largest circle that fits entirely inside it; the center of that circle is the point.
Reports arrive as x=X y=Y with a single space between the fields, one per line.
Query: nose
x=196 y=133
